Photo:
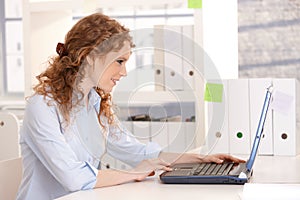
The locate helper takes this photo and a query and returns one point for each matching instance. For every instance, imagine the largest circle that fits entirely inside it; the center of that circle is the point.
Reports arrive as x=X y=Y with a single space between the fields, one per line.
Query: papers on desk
x=257 y=191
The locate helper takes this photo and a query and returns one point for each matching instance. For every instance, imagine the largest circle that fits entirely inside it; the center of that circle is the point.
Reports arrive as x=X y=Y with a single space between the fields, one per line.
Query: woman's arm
x=148 y=167
x=175 y=158
x=124 y=146
x=113 y=177
x=140 y=172
x=42 y=133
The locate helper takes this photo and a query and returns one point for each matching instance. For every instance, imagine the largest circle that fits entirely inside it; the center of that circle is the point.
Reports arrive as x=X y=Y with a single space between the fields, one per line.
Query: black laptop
x=225 y=173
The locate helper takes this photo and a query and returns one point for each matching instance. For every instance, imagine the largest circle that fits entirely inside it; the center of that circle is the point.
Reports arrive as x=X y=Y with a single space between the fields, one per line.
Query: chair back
x=9 y=136
x=10 y=178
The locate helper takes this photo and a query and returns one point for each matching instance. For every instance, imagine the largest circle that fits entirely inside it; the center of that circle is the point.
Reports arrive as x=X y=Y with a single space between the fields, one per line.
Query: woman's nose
x=123 y=71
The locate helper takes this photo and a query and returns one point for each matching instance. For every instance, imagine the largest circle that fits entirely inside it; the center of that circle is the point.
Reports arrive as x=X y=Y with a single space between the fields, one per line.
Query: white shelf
x=52 y=5
x=112 y=4
x=142 y=98
x=12 y=103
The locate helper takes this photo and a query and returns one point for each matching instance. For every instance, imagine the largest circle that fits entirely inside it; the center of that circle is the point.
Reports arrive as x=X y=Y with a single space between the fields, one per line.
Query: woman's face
x=109 y=70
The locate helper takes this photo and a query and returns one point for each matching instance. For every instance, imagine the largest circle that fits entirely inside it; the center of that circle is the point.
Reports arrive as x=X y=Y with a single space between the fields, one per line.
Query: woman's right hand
x=148 y=167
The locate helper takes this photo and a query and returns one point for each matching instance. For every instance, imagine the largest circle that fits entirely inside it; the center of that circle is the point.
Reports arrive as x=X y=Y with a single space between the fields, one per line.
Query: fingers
x=148 y=167
x=220 y=158
x=159 y=164
x=167 y=169
x=212 y=158
x=229 y=158
x=216 y=160
x=151 y=173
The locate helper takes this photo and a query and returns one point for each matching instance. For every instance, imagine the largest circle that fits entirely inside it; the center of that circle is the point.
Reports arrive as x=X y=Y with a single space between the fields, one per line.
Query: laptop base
x=183 y=174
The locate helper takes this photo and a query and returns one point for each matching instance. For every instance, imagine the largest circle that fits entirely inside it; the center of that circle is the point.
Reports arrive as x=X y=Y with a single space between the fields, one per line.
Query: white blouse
x=59 y=160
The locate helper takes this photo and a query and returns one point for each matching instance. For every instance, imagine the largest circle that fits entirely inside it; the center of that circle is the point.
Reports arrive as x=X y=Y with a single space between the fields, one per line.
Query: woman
x=69 y=124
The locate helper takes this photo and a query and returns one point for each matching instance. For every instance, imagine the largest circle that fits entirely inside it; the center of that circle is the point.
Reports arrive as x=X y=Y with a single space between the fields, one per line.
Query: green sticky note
x=194 y=3
x=213 y=92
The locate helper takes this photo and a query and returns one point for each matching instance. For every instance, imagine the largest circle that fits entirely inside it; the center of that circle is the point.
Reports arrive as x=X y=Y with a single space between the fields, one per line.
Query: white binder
x=190 y=136
x=176 y=137
x=145 y=78
x=285 y=108
x=159 y=69
x=128 y=125
x=173 y=58
x=238 y=116
x=188 y=67
x=159 y=134
x=16 y=70
x=257 y=90
x=130 y=82
x=108 y=162
x=119 y=165
x=141 y=130
x=14 y=37
x=217 y=120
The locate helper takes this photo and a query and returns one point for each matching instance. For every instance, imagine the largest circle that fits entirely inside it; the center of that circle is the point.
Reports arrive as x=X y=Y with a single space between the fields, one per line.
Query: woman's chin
x=107 y=90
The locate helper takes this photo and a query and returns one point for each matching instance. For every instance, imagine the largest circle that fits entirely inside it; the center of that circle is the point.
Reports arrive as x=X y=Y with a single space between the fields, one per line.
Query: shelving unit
x=42 y=17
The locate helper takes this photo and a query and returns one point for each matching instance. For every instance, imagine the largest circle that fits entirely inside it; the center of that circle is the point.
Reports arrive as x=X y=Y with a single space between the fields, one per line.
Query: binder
x=141 y=130
x=238 y=116
x=121 y=165
x=13 y=9
x=188 y=67
x=128 y=125
x=257 y=90
x=217 y=138
x=173 y=58
x=145 y=77
x=285 y=108
x=159 y=134
x=130 y=82
x=16 y=70
x=108 y=162
x=14 y=37
x=176 y=137
x=190 y=136
x=159 y=72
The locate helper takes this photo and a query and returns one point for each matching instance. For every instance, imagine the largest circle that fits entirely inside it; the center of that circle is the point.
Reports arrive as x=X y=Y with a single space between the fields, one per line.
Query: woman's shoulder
x=38 y=102
x=37 y=98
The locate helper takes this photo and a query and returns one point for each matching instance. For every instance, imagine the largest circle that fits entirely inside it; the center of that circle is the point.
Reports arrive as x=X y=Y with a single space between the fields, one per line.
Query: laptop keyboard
x=203 y=169
x=213 y=169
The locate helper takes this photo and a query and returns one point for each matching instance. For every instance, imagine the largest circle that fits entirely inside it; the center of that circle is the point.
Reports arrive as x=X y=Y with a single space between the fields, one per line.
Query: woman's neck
x=86 y=85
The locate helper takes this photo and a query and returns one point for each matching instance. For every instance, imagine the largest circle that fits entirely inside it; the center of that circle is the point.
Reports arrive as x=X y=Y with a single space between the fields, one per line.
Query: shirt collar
x=94 y=99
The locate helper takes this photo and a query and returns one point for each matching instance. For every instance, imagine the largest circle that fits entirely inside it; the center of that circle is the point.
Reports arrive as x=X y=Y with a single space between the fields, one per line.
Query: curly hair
x=60 y=81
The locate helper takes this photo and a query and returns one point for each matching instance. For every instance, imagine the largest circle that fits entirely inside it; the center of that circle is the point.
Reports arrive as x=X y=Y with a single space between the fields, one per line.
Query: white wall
x=220 y=39
x=45 y=24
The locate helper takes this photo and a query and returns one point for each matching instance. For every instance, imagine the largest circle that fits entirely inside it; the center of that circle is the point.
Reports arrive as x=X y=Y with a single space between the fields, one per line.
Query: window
x=12 y=69
x=134 y=17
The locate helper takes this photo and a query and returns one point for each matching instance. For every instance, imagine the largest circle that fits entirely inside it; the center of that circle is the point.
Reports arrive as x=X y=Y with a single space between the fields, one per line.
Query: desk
x=286 y=171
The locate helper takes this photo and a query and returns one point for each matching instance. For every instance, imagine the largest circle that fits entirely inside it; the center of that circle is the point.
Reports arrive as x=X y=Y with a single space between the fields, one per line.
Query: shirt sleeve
x=43 y=134
x=122 y=145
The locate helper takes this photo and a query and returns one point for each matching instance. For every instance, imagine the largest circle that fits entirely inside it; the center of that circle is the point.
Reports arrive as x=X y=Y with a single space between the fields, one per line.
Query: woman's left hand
x=175 y=158
x=220 y=158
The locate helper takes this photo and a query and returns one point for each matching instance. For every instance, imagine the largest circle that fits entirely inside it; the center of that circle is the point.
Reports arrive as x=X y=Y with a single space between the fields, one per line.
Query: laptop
x=225 y=173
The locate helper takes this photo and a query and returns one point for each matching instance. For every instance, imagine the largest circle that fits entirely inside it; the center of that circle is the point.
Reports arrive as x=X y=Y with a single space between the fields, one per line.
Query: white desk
x=286 y=171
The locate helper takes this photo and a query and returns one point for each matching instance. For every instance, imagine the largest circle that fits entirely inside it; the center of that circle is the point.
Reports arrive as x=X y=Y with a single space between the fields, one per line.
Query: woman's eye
x=120 y=61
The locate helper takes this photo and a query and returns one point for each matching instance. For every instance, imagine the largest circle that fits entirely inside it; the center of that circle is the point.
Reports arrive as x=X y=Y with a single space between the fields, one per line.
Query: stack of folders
x=232 y=110
x=174 y=57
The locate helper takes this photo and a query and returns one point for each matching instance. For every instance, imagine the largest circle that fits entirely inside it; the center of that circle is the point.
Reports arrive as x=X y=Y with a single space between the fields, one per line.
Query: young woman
x=69 y=124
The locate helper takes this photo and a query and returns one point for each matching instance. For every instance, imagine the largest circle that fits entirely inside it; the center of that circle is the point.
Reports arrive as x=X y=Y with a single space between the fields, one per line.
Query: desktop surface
x=267 y=169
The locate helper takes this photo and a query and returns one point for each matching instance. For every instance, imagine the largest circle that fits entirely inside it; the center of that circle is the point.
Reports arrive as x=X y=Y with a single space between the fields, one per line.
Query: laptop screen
x=260 y=128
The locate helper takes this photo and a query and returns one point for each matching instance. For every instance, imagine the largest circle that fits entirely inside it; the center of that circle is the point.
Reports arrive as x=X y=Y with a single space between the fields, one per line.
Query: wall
x=269 y=38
